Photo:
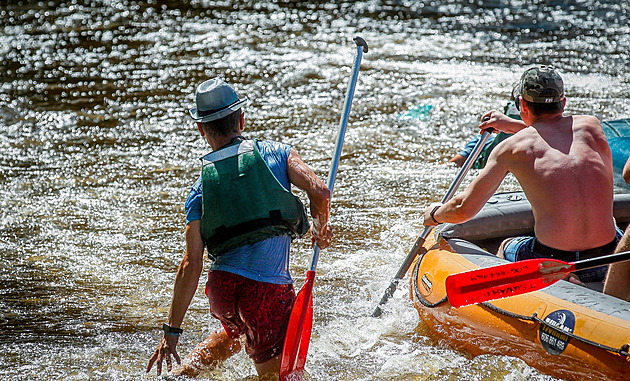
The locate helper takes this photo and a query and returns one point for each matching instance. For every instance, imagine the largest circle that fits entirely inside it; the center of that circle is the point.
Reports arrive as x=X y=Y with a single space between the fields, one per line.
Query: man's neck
x=217 y=142
x=545 y=119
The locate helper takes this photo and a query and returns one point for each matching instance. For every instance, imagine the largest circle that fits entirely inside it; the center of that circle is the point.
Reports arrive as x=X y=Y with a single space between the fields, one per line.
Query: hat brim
x=516 y=90
x=194 y=113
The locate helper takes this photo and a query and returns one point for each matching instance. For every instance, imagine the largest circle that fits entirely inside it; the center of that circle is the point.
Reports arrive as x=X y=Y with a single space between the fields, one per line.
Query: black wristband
x=432 y=214
x=168 y=330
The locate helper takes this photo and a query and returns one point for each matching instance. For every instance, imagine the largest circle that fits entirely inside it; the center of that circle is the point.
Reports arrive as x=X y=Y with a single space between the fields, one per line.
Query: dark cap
x=540 y=84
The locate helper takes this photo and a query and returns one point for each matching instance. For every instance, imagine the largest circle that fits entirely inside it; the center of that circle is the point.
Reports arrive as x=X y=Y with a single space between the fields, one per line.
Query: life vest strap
x=223 y=233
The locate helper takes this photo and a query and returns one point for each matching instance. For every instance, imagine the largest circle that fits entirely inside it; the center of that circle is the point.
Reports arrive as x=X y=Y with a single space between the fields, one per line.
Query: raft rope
x=623 y=351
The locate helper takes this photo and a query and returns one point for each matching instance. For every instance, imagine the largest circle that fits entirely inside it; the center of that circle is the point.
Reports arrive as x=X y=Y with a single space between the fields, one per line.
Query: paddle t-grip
x=361 y=42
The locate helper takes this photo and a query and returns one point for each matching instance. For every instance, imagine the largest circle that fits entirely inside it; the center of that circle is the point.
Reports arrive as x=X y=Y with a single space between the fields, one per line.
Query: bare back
x=565 y=168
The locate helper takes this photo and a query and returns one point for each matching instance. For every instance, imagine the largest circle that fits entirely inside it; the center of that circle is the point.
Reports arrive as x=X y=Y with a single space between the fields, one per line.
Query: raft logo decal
x=427 y=282
x=553 y=339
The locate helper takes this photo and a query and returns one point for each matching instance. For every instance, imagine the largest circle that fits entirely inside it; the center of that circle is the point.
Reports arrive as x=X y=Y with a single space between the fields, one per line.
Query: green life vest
x=243 y=202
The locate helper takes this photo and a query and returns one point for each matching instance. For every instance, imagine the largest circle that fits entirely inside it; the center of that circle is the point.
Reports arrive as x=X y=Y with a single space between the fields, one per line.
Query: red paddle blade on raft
x=498 y=282
x=298 y=333
x=517 y=278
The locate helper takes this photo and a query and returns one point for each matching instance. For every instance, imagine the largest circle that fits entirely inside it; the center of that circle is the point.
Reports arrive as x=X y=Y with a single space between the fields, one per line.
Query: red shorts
x=258 y=310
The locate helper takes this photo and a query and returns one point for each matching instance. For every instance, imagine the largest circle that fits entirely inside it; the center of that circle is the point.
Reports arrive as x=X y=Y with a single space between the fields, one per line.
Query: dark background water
x=97 y=155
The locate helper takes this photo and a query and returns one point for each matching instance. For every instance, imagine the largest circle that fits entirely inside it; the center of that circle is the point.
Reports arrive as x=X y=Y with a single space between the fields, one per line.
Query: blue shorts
x=521 y=248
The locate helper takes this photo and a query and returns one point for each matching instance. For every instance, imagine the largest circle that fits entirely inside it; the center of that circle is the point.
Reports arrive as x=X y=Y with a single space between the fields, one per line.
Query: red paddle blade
x=498 y=282
x=298 y=333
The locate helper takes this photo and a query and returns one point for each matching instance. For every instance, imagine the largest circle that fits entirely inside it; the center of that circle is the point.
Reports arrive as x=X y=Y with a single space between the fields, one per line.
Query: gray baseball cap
x=215 y=99
x=541 y=84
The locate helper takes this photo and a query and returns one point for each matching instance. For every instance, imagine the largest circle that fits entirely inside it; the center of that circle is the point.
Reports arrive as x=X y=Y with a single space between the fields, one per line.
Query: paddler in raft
x=242 y=211
x=460 y=157
x=564 y=165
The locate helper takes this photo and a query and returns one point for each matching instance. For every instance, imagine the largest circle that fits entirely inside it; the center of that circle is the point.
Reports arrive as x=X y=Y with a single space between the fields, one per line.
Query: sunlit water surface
x=98 y=155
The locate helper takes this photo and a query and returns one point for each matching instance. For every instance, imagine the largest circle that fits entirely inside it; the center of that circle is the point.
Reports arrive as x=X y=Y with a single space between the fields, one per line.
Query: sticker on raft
x=427 y=282
x=551 y=333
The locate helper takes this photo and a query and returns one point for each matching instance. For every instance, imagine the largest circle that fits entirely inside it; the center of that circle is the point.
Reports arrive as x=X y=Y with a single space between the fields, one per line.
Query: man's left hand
x=165 y=349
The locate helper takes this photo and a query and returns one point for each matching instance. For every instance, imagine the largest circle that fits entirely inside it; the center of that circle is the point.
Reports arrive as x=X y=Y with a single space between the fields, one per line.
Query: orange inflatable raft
x=564 y=330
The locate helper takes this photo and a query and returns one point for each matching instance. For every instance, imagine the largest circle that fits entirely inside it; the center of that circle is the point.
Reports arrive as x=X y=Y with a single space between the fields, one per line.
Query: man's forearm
x=451 y=212
x=186 y=283
x=188 y=273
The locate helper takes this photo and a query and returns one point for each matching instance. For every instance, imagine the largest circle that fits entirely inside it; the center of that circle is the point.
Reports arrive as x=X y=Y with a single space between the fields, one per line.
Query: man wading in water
x=564 y=166
x=241 y=209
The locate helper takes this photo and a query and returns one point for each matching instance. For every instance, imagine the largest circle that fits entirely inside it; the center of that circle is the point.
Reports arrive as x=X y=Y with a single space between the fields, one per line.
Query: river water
x=98 y=155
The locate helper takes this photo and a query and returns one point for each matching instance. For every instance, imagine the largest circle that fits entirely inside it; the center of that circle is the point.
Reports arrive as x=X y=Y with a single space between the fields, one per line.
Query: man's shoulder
x=267 y=147
x=518 y=146
x=589 y=120
x=273 y=145
x=587 y=124
x=517 y=138
x=584 y=116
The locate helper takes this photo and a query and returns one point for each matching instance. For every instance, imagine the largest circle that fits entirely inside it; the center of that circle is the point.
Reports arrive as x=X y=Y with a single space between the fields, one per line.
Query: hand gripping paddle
x=418 y=247
x=301 y=320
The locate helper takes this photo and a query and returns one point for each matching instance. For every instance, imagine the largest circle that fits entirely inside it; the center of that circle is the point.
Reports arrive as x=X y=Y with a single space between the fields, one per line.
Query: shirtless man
x=564 y=166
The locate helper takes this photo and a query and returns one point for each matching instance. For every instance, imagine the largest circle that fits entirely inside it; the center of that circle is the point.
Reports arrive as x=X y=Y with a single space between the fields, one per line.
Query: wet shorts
x=258 y=310
x=521 y=248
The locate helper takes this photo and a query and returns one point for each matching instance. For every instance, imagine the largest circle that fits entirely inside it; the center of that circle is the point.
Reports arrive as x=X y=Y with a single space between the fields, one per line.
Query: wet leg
x=268 y=367
x=217 y=348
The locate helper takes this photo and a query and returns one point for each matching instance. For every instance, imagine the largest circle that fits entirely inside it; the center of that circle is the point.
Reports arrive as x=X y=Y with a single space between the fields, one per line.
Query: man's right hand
x=499 y=121
x=323 y=238
x=165 y=349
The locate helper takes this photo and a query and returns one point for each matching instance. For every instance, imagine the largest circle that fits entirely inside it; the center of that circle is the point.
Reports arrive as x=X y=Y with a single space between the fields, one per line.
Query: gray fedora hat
x=215 y=99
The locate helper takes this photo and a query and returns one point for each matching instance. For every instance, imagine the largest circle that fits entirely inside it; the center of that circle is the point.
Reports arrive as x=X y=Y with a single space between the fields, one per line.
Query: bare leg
x=268 y=367
x=617 y=281
x=217 y=348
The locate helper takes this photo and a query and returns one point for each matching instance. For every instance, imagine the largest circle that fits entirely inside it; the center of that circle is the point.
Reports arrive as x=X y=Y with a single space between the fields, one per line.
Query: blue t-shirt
x=465 y=152
x=266 y=260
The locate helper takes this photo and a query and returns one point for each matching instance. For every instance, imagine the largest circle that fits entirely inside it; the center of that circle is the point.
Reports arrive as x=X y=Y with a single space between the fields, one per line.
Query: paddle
x=515 y=278
x=301 y=320
x=417 y=248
